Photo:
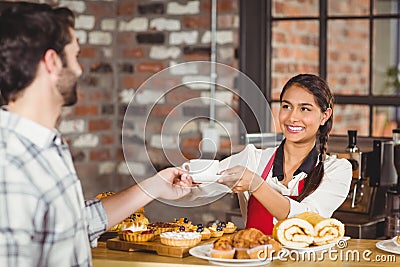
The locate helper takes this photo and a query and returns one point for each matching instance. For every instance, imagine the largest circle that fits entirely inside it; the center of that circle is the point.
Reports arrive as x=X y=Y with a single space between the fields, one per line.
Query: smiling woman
x=297 y=176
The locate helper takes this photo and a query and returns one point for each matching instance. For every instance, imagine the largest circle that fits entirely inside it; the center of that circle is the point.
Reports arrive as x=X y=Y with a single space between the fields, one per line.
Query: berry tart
x=204 y=231
x=216 y=230
x=228 y=228
x=183 y=222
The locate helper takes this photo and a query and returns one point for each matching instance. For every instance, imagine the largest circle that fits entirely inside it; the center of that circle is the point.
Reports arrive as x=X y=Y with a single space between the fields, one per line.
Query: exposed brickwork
x=152 y=67
x=100 y=154
x=133 y=52
x=99 y=125
x=154 y=8
x=88 y=110
x=197 y=22
x=123 y=44
x=88 y=52
x=126 y=7
x=150 y=38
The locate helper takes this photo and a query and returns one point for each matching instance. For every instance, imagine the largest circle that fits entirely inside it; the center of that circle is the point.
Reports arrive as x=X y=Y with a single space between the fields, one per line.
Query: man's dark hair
x=27 y=31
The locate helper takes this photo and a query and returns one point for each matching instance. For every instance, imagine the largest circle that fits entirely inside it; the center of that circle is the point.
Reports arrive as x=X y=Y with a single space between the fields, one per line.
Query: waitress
x=297 y=176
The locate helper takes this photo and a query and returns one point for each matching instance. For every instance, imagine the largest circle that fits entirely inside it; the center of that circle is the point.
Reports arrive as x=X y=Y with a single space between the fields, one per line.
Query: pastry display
x=246 y=239
x=204 y=231
x=162 y=227
x=260 y=252
x=185 y=222
x=253 y=240
x=180 y=239
x=228 y=228
x=223 y=248
x=249 y=243
x=216 y=230
x=326 y=230
x=308 y=228
x=138 y=216
x=294 y=232
x=136 y=232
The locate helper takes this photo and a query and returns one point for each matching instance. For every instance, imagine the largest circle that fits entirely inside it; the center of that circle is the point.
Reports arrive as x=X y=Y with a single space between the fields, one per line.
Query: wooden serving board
x=155 y=245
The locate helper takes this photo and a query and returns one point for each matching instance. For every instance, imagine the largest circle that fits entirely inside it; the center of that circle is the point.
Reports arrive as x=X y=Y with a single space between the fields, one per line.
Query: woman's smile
x=294 y=129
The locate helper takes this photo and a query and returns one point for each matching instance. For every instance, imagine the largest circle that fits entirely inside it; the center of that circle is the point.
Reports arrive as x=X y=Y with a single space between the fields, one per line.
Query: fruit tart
x=183 y=222
x=163 y=227
x=137 y=217
x=136 y=232
x=228 y=228
x=204 y=231
x=216 y=230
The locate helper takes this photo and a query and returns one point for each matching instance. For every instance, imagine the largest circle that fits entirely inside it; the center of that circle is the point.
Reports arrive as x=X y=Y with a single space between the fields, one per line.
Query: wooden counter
x=103 y=257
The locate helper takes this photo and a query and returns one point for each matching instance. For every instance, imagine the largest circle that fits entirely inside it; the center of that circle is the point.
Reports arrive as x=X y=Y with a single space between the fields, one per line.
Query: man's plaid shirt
x=44 y=220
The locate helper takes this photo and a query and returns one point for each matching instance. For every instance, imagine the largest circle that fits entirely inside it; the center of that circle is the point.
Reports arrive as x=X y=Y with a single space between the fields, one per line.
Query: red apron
x=257 y=215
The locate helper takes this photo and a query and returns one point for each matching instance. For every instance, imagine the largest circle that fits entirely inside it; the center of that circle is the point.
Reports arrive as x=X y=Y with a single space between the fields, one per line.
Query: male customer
x=44 y=220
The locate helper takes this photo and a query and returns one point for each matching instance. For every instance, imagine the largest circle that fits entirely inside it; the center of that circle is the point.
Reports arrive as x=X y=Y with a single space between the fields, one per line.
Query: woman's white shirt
x=329 y=195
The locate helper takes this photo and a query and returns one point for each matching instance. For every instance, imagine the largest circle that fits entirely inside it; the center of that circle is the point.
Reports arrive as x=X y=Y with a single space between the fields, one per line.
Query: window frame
x=255 y=58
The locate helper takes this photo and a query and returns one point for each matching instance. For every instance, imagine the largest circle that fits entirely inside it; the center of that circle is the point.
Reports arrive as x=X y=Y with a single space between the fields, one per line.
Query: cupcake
x=260 y=252
x=222 y=249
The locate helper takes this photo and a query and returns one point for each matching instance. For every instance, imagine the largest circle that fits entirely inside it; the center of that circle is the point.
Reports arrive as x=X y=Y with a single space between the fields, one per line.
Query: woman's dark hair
x=323 y=97
x=27 y=31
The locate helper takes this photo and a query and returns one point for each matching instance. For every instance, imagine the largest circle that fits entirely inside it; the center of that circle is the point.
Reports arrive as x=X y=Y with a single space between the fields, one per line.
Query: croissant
x=249 y=238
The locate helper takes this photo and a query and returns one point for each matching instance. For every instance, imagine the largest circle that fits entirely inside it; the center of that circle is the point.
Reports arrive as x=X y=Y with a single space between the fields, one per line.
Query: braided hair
x=323 y=97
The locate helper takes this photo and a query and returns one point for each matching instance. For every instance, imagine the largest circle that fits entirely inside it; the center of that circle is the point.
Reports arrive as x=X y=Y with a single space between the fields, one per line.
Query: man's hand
x=170 y=183
x=241 y=179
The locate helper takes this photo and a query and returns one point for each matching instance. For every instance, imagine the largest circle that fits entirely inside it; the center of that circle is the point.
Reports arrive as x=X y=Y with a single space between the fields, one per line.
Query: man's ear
x=52 y=61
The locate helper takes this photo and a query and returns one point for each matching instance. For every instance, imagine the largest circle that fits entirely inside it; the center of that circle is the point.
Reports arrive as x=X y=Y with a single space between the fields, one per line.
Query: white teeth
x=295 y=129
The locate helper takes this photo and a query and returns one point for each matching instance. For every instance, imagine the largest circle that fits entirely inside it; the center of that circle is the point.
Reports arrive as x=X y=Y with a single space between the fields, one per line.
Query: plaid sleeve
x=18 y=207
x=97 y=219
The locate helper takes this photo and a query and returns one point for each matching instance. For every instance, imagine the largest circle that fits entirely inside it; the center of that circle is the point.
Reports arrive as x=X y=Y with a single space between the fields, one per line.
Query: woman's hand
x=241 y=179
x=170 y=183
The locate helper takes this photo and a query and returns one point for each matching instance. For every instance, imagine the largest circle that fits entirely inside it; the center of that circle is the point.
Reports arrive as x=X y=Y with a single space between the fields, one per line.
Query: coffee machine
x=393 y=194
x=363 y=211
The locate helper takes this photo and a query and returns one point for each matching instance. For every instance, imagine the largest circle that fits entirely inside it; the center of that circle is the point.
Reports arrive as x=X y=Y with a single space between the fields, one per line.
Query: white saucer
x=206 y=179
x=203 y=252
x=388 y=246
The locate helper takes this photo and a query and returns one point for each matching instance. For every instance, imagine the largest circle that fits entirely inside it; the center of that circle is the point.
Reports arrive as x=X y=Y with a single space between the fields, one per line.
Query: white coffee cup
x=202 y=170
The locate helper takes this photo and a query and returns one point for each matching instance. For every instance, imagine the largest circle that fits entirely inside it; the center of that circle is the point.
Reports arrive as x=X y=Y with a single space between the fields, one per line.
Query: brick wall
x=295 y=50
x=126 y=42
x=123 y=44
